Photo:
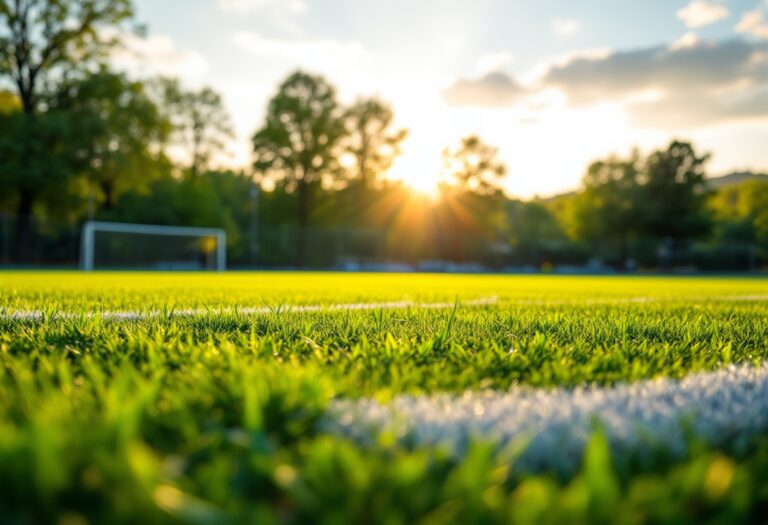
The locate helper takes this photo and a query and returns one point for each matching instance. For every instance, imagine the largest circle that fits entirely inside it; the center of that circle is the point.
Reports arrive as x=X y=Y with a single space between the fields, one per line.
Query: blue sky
x=552 y=83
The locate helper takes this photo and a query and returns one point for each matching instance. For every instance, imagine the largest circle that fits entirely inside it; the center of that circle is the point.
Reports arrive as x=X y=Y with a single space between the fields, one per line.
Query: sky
x=554 y=84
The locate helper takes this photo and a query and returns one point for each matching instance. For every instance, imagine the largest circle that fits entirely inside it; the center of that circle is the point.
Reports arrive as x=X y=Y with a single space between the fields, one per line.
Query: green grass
x=213 y=418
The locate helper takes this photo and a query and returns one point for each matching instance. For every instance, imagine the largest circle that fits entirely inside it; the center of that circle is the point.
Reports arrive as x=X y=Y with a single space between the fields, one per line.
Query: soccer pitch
x=372 y=398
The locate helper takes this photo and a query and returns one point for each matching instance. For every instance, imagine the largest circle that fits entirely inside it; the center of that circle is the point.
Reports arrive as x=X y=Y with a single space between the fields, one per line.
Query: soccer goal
x=112 y=245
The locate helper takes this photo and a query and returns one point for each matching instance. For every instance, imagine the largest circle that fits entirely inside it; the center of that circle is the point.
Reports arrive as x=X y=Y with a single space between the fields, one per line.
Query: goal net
x=111 y=245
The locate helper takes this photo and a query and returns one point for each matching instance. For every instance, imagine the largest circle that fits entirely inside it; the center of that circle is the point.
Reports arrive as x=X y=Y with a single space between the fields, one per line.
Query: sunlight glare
x=424 y=186
x=419 y=171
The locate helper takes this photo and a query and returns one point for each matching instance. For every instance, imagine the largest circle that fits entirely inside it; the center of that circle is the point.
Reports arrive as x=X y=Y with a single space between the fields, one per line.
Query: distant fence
x=45 y=244
x=346 y=248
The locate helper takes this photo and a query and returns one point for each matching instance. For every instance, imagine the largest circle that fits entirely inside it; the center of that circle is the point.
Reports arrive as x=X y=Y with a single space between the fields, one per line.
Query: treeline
x=660 y=211
x=79 y=141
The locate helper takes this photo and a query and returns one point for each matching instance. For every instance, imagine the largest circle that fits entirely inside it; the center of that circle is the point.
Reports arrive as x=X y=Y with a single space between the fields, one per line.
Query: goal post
x=115 y=245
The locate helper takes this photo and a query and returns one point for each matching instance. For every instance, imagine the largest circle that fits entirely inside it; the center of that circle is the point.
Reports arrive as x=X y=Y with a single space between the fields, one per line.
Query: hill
x=736 y=178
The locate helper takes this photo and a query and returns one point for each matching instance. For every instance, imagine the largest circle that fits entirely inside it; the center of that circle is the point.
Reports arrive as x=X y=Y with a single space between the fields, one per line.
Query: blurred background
x=401 y=136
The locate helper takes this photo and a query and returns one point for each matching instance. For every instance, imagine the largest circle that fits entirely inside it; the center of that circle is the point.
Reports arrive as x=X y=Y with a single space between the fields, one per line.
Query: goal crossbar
x=87 y=253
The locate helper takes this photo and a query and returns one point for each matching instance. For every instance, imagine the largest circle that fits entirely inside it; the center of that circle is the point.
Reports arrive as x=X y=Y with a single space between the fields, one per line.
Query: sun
x=425 y=186
x=420 y=171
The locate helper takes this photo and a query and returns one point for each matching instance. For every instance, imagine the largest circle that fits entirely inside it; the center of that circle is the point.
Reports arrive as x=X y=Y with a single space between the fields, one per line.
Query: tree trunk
x=22 y=250
x=27 y=105
x=108 y=191
x=23 y=230
x=27 y=95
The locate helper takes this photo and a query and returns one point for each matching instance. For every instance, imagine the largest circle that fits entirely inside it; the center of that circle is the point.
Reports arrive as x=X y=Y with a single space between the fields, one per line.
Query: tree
x=299 y=142
x=470 y=213
x=37 y=158
x=741 y=211
x=661 y=197
x=201 y=124
x=532 y=231
x=40 y=37
x=672 y=199
x=474 y=166
x=532 y=223
x=118 y=128
x=607 y=208
x=43 y=42
x=372 y=142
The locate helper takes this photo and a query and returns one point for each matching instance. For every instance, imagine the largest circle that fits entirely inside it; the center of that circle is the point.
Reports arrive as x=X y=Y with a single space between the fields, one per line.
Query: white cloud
x=700 y=13
x=753 y=23
x=495 y=89
x=155 y=55
x=316 y=53
x=492 y=62
x=691 y=83
x=565 y=26
x=688 y=40
x=242 y=6
x=686 y=84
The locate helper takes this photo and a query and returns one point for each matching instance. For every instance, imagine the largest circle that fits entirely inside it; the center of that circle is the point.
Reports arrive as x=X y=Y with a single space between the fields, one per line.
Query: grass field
x=353 y=398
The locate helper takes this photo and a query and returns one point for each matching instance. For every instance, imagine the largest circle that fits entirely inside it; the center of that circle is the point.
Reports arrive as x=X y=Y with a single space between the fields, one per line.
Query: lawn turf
x=214 y=416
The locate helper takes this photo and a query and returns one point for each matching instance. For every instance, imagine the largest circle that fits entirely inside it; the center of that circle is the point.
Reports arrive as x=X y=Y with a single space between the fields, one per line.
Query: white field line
x=39 y=315
x=138 y=315
x=641 y=299
x=721 y=408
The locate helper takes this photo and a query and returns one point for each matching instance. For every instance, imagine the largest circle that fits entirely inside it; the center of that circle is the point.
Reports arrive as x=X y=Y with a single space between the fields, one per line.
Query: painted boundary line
x=641 y=300
x=38 y=315
x=721 y=408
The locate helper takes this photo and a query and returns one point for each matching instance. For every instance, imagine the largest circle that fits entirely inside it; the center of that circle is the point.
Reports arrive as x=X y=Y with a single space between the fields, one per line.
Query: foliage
x=674 y=186
x=742 y=212
x=119 y=130
x=299 y=142
x=299 y=139
x=39 y=157
x=371 y=141
x=213 y=199
x=607 y=208
x=201 y=124
x=473 y=166
x=531 y=222
x=661 y=198
x=41 y=39
x=9 y=102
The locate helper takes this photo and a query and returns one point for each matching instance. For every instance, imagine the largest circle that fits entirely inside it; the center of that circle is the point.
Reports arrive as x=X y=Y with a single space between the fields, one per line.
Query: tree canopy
x=474 y=166
x=40 y=37
x=372 y=141
x=200 y=123
x=120 y=130
x=299 y=142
